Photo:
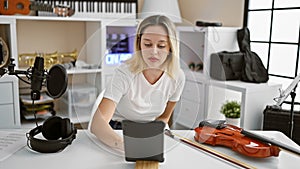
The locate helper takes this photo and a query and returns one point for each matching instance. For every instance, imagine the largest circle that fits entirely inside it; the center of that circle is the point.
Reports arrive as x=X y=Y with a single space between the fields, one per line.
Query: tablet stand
x=146 y=165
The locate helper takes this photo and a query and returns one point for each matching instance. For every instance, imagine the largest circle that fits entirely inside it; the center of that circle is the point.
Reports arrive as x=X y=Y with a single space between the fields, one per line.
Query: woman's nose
x=155 y=50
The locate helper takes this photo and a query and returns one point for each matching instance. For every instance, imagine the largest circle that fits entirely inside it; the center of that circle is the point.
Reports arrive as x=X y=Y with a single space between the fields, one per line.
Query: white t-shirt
x=137 y=99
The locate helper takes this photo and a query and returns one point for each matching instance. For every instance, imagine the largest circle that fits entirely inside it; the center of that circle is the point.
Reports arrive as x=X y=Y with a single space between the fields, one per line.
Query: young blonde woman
x=146 y=87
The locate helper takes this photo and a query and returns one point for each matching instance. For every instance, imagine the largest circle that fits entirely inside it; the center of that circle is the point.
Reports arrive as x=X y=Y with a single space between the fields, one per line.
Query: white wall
x=229 y=12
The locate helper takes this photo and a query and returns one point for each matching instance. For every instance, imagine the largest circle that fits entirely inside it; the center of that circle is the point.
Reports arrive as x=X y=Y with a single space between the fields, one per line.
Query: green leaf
x=231 y=109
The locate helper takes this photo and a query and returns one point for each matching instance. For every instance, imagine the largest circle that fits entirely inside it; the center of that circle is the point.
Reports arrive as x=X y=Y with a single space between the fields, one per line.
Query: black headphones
x=59 y=132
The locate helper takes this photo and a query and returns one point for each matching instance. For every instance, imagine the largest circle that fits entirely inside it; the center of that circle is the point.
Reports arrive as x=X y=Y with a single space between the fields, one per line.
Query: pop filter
x=57 y=81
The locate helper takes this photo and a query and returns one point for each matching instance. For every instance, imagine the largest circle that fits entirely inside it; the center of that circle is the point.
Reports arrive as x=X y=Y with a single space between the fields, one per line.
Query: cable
x=22 y=79
x=34 y=113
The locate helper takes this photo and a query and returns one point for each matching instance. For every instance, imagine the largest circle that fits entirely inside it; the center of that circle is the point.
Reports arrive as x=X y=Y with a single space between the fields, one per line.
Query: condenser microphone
x=56 y=80
x=37 y=78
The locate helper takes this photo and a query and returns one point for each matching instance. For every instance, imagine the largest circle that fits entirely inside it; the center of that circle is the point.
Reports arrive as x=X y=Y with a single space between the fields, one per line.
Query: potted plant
x=231 y=111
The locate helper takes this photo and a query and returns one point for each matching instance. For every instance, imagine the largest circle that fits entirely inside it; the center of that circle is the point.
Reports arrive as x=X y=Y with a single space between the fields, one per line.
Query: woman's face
x=155 y=46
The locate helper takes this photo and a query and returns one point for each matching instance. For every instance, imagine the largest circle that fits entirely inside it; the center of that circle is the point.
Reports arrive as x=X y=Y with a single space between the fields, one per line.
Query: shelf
x=205 y=29
x=244 y=86
x=77 y=103
x=72 y=71
x=83 y=71
x=75 y=117
x=196 y=45
x=48 y=34
x=236 y=85
x=76 y=114
x=55 y=18
x=49 y=18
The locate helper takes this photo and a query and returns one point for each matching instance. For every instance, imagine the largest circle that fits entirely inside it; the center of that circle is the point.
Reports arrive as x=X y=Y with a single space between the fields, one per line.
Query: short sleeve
x=180 y=82
x=119 y=84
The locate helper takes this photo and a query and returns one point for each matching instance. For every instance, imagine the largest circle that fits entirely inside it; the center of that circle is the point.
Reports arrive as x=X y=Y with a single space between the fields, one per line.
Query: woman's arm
x=165 y=117
x=100 y=125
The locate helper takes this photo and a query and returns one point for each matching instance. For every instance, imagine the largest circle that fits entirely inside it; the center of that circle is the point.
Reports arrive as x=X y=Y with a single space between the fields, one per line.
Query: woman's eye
x=161 y=46
x=148 y=44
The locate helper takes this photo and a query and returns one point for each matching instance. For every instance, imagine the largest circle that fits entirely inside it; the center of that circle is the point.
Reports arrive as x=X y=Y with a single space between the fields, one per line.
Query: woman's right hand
x=100 y=125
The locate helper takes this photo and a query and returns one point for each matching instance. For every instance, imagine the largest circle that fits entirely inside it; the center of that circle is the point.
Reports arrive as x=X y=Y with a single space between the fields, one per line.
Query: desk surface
x=87 y=152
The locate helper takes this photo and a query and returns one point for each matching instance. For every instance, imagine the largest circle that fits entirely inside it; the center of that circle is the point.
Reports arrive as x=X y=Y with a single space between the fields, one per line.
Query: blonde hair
x=171 y=65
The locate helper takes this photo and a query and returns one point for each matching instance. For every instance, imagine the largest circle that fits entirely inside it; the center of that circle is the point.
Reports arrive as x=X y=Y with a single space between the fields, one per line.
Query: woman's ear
x=170 y=52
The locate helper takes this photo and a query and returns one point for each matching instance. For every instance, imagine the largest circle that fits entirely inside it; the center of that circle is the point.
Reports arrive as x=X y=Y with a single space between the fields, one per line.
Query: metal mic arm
x=11 y=71
x=2 y=72
x=285 y=93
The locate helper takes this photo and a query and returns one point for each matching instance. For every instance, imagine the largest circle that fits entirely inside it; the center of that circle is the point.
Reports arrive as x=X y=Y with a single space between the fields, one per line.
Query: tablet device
x=143 y=141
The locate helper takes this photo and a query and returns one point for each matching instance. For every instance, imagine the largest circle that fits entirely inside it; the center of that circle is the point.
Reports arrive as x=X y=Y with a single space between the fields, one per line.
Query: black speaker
x=279 y=119
x=58 y=133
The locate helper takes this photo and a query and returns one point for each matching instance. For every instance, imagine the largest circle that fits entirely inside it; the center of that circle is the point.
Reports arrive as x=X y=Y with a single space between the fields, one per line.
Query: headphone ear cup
x=66 y=128
x=51 y=128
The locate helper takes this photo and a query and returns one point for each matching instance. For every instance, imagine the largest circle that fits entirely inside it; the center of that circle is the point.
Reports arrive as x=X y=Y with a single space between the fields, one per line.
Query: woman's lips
x=153 y=59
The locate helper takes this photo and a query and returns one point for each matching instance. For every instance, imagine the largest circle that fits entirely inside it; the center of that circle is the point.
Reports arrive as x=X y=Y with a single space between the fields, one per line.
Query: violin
x=218 y=133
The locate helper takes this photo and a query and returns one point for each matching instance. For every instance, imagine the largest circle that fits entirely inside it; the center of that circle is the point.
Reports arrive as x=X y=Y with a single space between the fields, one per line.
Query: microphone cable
x=34 y=112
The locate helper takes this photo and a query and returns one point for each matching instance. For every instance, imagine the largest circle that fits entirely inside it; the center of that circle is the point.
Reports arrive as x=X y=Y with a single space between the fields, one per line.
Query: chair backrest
x=95 y=106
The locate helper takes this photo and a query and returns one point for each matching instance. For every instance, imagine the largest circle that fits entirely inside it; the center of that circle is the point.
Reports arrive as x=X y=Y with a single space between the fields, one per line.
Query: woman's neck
x=152 y=75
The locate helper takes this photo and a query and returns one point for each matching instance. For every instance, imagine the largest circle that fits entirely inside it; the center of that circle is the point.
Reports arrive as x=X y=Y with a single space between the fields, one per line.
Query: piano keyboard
x=97 y=8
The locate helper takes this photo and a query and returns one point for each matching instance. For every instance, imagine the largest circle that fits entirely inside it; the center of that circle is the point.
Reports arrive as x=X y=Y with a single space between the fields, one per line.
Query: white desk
x=88 y=153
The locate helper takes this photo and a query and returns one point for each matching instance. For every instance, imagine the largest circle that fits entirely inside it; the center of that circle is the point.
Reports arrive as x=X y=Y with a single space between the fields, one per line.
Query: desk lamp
x=168 y=8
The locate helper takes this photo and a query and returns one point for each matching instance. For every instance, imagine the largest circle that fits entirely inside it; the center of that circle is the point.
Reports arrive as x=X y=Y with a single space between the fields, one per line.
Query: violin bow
x=207 y=149
x=270 y=141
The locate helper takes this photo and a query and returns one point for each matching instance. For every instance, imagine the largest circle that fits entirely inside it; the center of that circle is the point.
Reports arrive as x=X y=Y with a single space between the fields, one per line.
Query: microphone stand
x=11 y=71
x=290 y=90
x=36 y=76
x=291 y=122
